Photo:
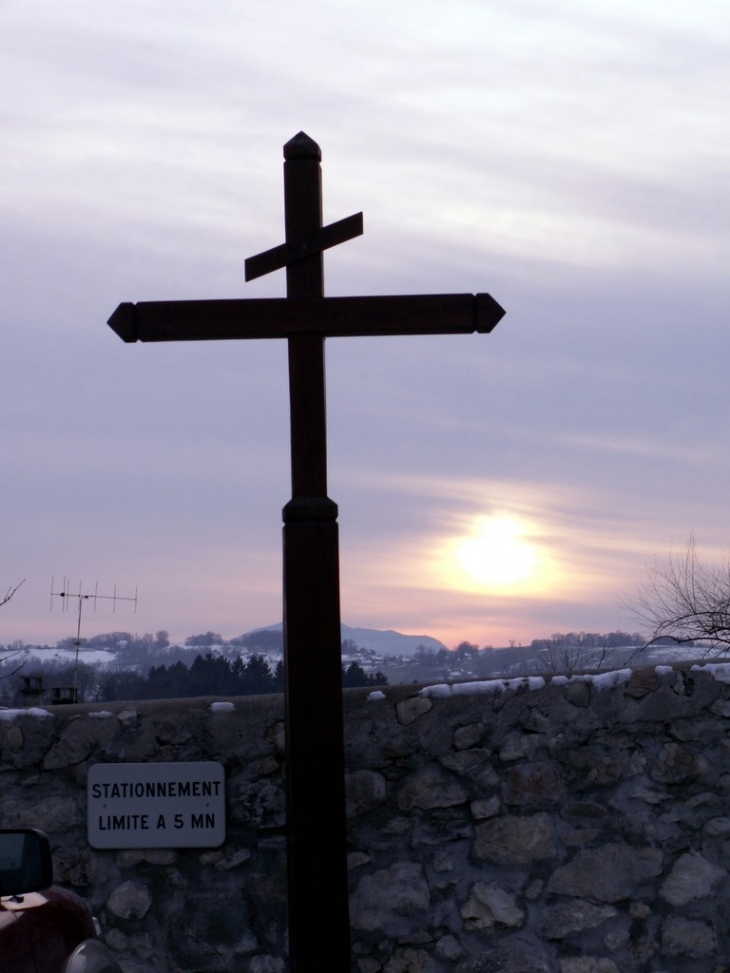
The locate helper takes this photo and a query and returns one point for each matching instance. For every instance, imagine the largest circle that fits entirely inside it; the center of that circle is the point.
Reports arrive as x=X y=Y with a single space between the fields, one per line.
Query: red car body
x=43 y=928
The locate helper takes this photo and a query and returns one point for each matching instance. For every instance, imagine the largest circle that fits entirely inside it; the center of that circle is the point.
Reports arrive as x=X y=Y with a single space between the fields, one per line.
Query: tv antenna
x=67 y=596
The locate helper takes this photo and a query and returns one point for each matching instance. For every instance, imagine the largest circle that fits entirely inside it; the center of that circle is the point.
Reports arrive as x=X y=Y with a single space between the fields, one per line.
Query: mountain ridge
x=384 y=642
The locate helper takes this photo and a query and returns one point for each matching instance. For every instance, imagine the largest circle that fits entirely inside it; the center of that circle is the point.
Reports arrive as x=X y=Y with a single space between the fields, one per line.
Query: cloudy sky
x=570 y=157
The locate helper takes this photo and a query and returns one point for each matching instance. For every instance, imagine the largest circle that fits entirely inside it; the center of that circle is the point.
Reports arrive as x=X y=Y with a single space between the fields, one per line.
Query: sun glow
x=497 y=554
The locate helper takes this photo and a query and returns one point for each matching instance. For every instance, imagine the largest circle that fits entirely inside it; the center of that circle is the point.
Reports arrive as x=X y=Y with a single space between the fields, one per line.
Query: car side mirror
x=25 y=861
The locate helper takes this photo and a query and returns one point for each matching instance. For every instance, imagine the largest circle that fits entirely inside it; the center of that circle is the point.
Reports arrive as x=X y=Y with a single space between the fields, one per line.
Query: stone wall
x=573 y=826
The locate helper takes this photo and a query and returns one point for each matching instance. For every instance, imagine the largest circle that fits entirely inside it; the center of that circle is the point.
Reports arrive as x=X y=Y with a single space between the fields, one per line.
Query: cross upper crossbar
x=287 y=253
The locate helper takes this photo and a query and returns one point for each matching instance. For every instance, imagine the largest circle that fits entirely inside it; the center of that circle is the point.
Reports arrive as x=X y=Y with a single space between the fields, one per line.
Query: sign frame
x=156 y=805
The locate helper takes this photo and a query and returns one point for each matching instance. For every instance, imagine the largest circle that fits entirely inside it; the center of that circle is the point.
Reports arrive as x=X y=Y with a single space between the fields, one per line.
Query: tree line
x=208 y=675
x=215 y=675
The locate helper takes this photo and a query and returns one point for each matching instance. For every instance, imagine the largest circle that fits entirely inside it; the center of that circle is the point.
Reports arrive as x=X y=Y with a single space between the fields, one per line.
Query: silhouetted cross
x=317 y=866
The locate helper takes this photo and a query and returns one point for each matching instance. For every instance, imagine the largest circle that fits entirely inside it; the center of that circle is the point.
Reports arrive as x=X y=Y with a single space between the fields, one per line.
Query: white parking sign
x=156 y=805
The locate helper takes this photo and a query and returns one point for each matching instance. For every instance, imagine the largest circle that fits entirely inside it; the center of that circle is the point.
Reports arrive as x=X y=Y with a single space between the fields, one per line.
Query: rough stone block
x=692 y=877
x=516 y=840
x=608 y=874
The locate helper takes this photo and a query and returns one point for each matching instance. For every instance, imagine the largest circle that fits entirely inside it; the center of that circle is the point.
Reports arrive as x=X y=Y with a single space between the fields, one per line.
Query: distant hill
x=384 y=643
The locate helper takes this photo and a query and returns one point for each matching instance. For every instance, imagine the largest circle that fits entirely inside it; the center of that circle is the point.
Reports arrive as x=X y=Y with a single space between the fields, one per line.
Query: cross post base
x=319 y=924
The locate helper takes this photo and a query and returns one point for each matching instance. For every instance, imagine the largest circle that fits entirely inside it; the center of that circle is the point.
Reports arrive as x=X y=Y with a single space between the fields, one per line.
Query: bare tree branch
x=16 y=670
x=8 y=595
x=686 y=600
x=10 y=592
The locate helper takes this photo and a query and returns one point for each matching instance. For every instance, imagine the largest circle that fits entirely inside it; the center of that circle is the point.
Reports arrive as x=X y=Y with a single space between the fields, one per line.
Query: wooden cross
x=319 y=928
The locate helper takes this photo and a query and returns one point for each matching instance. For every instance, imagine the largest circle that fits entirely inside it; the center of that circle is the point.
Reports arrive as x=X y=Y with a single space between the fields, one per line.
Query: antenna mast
x=66 y=596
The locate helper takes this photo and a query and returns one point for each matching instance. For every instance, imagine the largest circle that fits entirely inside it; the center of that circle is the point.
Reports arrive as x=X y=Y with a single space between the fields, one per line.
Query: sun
x=497 y=553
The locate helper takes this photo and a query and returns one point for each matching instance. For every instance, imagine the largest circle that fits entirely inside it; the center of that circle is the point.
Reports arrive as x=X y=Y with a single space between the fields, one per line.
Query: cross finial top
x=302 y=147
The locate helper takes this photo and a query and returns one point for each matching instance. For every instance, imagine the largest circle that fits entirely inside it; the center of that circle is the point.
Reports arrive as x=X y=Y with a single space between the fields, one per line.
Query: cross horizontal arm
x=327 y=316
x=287 y=253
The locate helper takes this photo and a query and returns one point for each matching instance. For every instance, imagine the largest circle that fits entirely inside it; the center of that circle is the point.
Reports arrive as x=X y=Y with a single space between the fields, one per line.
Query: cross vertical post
x=319 y=922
